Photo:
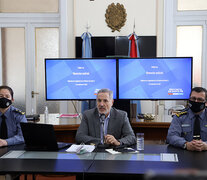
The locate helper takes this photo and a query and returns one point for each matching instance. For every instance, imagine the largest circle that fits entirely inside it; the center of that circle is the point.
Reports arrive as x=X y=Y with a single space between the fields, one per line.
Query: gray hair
x=106 y=91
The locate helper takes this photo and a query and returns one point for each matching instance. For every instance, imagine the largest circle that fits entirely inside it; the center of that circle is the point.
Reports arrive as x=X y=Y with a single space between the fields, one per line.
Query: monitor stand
x=122 y=104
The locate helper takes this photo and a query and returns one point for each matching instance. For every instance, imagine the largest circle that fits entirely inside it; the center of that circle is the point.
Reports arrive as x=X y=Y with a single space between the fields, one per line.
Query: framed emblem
x=115 y=16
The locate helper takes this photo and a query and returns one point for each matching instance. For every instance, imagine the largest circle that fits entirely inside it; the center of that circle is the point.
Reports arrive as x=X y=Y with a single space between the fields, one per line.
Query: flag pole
x=134 y=27
x=87 y=26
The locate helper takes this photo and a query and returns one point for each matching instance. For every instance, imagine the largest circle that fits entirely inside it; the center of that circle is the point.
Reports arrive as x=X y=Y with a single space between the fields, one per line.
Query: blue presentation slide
x=79 y=78
x=158 y=78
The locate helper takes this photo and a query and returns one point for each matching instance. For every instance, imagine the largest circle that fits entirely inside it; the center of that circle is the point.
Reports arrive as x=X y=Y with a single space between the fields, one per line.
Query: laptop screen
x=39 y=136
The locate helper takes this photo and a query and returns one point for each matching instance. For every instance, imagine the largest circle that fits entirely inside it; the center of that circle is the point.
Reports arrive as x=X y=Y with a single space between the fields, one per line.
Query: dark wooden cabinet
x=154 y=131
x=66 y=133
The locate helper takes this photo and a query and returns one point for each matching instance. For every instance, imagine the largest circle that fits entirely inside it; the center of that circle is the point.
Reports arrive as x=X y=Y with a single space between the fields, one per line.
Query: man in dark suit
x=105 y=124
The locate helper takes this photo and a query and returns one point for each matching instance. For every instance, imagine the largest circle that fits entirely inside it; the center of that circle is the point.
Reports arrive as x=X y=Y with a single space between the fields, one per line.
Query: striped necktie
x=102 y=117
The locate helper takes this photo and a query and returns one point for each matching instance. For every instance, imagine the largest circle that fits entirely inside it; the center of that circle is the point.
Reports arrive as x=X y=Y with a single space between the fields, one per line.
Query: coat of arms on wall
x=115 y=16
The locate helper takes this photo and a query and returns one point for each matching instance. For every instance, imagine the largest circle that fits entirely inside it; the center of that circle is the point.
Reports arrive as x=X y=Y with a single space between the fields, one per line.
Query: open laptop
x=41 y=137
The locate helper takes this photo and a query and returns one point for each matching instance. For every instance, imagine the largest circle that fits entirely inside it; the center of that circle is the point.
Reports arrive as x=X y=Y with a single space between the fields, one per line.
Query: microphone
x=102 y=117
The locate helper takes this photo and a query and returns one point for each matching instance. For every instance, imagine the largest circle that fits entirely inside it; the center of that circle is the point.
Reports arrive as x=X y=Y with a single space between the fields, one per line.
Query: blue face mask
x=196 y=106
x=5 y=103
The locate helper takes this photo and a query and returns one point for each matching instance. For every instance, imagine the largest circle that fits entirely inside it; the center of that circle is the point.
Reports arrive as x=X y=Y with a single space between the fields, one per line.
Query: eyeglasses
x=197 y=99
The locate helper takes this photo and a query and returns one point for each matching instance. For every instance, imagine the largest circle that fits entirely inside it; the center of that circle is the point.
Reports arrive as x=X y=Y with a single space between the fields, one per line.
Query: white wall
x=93 y=13
x=147 y=14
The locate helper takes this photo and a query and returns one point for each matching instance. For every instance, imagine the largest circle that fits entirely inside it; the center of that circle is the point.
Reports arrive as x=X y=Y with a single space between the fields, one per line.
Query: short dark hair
x=9 y=89
x=198 y=90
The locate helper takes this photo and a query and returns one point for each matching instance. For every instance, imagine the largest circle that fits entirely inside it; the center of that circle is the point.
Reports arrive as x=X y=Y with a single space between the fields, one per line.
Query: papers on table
x=69 y=115
x=80 y=149
x=122 y=150
x=111 y=151
x=168 y=157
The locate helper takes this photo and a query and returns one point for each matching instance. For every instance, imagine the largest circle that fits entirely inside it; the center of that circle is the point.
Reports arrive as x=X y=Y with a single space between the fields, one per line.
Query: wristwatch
x=185 y=146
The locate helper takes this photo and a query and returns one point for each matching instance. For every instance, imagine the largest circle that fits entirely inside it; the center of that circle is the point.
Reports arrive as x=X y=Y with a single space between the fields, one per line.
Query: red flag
x=133 y=50
x=134 y=53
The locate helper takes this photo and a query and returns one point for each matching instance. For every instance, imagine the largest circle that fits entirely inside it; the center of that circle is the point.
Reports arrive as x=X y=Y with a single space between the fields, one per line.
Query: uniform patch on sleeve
x=19 y=111
x=181 y=113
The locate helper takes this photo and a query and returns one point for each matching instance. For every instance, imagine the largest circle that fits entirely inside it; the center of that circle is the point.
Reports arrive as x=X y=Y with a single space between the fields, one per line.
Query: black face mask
x=5 y=103
x=196 y=106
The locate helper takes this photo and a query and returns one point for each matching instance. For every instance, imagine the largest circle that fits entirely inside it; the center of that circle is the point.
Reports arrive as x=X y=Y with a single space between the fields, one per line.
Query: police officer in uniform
x=10 y=118
x=188 y=128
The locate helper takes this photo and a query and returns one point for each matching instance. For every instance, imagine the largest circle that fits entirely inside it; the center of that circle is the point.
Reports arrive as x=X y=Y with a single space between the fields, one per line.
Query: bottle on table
x=140 y=141
x=46 y=115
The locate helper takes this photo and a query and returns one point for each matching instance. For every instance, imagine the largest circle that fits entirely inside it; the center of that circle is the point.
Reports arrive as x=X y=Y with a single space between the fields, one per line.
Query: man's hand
x=196 y=145
x=3 y=142
x=109 y=139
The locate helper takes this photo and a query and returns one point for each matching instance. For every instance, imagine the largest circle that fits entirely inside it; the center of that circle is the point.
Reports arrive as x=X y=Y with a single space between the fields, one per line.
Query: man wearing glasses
x=188 y=128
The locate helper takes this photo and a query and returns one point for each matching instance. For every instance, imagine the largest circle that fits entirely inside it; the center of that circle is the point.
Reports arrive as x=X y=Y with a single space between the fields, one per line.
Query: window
x=187 y=5
x=28 y=6
x=26 y=41
x=185 y=35
x=188 y=45
x=13 y=62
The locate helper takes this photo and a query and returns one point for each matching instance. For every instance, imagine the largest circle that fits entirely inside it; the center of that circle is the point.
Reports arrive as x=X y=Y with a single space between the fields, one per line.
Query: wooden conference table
x=108 y=166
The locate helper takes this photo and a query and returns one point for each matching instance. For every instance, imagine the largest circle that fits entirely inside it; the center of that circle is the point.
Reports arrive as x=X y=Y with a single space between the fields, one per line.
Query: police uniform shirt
x=13 y=118
x=182 y=126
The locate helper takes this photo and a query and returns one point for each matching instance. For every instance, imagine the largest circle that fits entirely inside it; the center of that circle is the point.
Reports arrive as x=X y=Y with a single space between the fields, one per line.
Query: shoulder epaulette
x=181 y=113
x=19 y=111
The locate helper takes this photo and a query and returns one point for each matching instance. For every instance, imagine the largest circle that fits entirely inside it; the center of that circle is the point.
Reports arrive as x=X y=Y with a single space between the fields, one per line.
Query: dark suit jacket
x=118 y=126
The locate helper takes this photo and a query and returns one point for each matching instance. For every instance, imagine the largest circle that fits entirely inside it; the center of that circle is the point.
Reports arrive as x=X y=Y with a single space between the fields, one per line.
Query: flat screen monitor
x=155 y=78
x=79 y=79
